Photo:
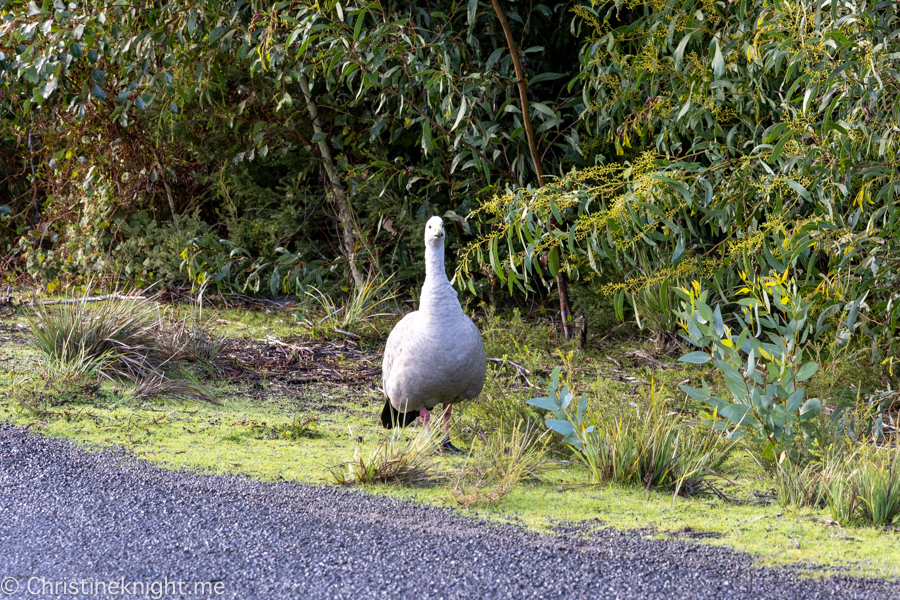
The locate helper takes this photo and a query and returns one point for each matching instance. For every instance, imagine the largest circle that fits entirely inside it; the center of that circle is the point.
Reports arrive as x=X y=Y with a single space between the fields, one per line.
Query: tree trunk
x=345 y=210
x=35 y=202
x=562 y=285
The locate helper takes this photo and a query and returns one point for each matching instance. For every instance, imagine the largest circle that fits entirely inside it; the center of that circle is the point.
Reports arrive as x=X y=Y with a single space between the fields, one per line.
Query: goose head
x=434 y=232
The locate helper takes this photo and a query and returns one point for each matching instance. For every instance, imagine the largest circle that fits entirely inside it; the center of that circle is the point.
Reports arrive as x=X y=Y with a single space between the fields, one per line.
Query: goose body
x=434 y=355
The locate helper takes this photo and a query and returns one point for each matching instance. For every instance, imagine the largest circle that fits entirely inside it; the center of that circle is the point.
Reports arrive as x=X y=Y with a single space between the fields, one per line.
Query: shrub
x=725 y=136
x=763 y=377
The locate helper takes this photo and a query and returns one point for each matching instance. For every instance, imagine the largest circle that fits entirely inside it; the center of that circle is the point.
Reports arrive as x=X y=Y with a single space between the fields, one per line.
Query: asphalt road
x=109 y=524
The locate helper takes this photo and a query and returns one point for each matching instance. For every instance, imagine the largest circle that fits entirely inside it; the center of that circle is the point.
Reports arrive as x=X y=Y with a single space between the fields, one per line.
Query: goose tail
x=391 y=417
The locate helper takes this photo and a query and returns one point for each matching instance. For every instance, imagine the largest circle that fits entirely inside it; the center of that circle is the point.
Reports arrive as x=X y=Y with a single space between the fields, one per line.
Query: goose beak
x=440 y=231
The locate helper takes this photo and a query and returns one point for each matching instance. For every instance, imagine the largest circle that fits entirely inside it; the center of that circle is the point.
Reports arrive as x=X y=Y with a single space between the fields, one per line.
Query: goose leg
x=448 y=408
x=425 y=416
x=446 y=445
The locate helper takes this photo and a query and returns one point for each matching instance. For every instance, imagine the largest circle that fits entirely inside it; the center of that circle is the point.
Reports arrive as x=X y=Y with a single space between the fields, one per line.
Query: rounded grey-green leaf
x=696 y=358
x=565 y=428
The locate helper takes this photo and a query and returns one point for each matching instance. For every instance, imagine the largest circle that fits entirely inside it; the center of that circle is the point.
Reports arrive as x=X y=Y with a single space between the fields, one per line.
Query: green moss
x=246 y=436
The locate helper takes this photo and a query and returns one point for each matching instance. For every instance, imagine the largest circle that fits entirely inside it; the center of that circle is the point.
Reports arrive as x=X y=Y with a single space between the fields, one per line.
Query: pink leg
x=448 y=408
x=425 y=416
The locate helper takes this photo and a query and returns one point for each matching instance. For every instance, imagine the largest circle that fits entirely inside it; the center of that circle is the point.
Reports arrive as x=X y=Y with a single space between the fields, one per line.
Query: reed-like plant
x=359 y=306
x=876 y=482
x=654 y=448
x=499 y=461
x=858 y=485
x=799 y=486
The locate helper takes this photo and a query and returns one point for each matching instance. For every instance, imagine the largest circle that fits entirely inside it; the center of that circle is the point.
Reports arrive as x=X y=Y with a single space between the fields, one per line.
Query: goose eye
x=429 y=227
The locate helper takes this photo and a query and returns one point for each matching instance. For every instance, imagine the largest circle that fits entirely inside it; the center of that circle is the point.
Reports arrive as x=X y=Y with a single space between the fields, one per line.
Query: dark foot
x=447 y=447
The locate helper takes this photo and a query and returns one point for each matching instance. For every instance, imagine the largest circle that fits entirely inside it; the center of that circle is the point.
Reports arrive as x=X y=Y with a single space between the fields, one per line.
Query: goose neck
x=438 y=296
x=434 y=263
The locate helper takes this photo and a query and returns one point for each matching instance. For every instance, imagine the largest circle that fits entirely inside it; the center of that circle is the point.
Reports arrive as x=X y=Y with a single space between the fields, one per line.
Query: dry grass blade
x=190 y=341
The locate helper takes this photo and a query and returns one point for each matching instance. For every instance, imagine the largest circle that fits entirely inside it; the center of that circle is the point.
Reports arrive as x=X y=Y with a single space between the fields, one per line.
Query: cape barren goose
x=434 y=355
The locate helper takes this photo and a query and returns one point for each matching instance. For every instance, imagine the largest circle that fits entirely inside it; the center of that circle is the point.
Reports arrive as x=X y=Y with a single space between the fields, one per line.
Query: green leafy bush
x=746 y=136
x=762 y=365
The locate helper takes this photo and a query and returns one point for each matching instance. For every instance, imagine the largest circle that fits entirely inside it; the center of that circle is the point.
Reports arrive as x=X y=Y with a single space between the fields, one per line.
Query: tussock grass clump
x=865 y=485
x=862 y=485
x=113 y=339
x=798 y=486
x=396 y=459
x=360 y=305
x=122 y=338
x=654 y=448
x=635 y=444
x=498 y=462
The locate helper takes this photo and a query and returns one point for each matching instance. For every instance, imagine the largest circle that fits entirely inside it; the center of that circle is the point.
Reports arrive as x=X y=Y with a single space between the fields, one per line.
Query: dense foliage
x=753 y=136
x=762 y=365
x=267 y=146
x=371 y=115
x=723 y=170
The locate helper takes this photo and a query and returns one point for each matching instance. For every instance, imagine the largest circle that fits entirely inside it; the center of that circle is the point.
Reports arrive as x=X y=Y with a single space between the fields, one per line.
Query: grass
x=500 y=461
x=112 y=339
x=858 y=485
x=360 y=305
x=399 y=457
x=272 y=429
x=655 y=448
x=126 y=339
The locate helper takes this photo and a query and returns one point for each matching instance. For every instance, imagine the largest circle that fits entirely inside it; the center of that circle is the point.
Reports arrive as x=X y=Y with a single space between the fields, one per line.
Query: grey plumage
x=434 y=355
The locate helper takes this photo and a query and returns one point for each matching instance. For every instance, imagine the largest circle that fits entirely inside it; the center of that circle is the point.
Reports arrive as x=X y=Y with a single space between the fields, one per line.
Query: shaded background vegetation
x=263 y=147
